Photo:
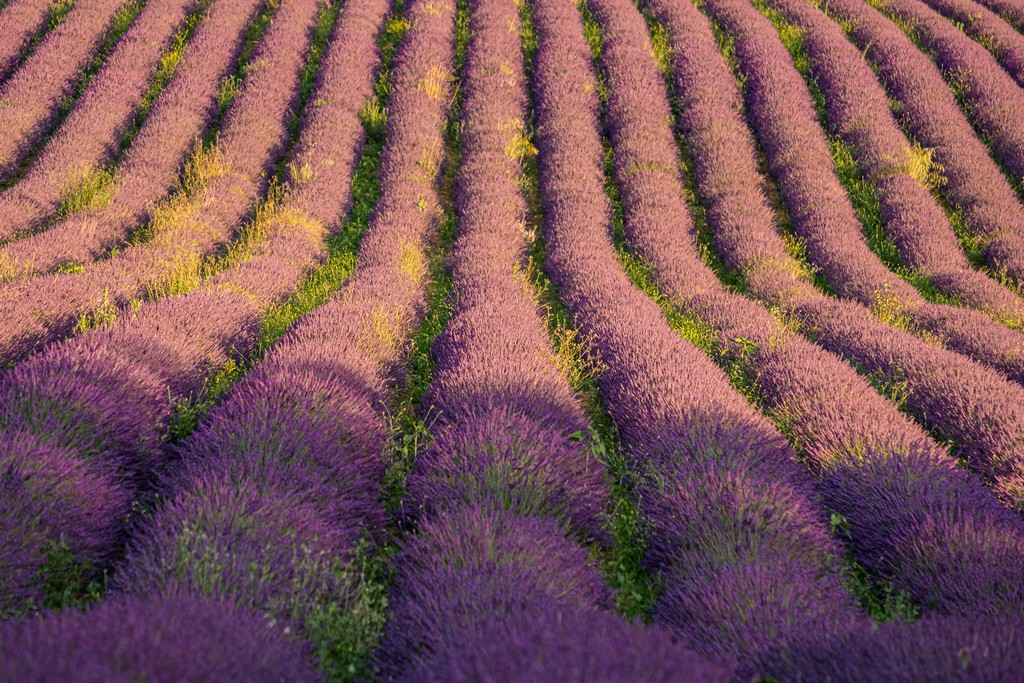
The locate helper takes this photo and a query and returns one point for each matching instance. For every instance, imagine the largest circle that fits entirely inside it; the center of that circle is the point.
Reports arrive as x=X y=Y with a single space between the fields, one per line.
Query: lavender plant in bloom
x=859 y=111
x=92 y=133
x=474 y=565
x=991 y=96
x=30 y=98
x=254 y=136
x=152 y=163
x=869 y=458
x=522 y=462
x=505 y=411
x=930 y=113
x=676 y=413
x=258 y=536
x=165 y=639
x=52 y=502
x=575 y=645
x=782 y=114
x=946 y=650
x=989 y=29
x=20 y=20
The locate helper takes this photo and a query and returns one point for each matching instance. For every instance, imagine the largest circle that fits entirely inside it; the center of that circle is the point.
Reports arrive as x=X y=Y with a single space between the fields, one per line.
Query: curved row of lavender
x=31 y=97
x=168 y=362
x=915 y=519
x=989 y=29
x=91 y=134
x=159 y=639
x=858 y=111
x=254 y=136
x=504 y=493
x=991 y=97
x=957 y=399
x=152 y=163
x=930 y=113
x=1010 y=10
x=20 y=21
x=782 y=113
x=741 y=550
x=284 y=476
x=83 y=427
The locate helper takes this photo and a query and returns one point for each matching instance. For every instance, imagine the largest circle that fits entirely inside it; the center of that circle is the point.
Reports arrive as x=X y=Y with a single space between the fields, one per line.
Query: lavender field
x=512 y=341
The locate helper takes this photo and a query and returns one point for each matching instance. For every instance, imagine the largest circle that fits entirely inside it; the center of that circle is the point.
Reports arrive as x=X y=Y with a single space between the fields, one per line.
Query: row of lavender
x=493 y=586
x=149 y=167
x=957 y=399
x=92 y=132
x=190 y=226
x=206 y=325
x=32 y=96
x=868 y=463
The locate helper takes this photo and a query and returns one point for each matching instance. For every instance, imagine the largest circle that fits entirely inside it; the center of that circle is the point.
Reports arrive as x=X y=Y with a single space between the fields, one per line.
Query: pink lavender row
x=319 y=193
x=782 y=113
x=993 y=99
x=179 y=340
x=989 y=29
x=253 y=138
x=735 y=539
x=20 y=21
x=873 y=465
x=92 y=132
x=503 y=488
x=31 y=97
x=858 y=110
x=332 y=135
x=1010 y=10
x=286 y=472
x=948 y=394
x=930 y=113
x=152 y=163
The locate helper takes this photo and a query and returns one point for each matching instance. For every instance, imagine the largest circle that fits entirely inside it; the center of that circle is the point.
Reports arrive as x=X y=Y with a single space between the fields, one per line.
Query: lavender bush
x=21 y=20
x=973 y=184
x=92 y=132
x=151 y=165
x=31 y=97
x=159 y=638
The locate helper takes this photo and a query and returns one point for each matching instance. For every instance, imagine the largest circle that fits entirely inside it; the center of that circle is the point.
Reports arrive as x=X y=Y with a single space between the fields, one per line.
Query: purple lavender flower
x=562 y=643
x=31 y=96
x=165 y=639
x=92 y=133
x=474 y=565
